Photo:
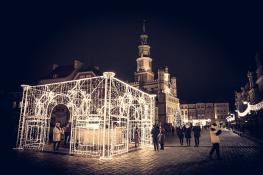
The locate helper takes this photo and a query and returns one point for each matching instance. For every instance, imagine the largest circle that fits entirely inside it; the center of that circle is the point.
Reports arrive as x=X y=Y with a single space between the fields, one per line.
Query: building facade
x=200 y=111
x=191 y=111
x=204 y=113
x=209 y=111
x=221 y=112
x=251 y=92
x=164 y=86
x=184 y=112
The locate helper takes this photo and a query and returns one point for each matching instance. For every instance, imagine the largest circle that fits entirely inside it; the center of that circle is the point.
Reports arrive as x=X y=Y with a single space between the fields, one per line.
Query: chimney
x=54 y=66
x=96 y=67
x=77 y=64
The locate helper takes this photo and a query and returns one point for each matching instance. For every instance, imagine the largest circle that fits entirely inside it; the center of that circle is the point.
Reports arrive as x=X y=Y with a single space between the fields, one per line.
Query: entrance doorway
x=60 y=114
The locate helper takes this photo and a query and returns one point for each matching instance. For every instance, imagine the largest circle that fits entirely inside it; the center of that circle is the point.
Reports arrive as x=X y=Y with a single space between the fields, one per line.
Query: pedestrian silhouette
x=67 y=131
x=161 y=137
x=136 y=137
x=57 y=134
x=180 y=134
x=214 y=135
x=197 y=131
x=188 y=133
x=155 y=132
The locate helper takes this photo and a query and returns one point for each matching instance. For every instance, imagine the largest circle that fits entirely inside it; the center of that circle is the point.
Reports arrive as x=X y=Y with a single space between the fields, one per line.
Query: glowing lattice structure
x=104 y=113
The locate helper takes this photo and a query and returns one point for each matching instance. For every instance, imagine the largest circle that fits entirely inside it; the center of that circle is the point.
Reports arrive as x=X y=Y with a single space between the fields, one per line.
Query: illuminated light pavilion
x=103 y=111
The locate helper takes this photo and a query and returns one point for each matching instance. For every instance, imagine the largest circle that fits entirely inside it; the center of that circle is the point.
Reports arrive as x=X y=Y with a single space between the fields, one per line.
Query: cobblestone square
x=239 y=156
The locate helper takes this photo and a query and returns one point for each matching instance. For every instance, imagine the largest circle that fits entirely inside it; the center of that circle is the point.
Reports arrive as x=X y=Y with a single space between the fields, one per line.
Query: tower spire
x=144 y=36
x=143 y=26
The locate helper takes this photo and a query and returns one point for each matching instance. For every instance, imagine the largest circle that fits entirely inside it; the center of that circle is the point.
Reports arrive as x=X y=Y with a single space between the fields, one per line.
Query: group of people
x=158 y=136
x=60 y=133
x=185 y=131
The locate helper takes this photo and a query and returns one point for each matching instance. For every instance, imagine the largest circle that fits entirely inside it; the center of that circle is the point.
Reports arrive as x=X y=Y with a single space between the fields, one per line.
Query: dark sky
x=208 y=47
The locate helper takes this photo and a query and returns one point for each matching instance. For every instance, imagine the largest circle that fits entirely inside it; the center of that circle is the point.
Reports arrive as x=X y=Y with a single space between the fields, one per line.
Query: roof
x=95 y=69
x=66 y=70
x=62 y=71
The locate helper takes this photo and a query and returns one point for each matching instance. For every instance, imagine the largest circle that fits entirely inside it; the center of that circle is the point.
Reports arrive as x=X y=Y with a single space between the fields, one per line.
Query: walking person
x=180 y=134
x=67 y=134
x=173 y=130
x=155 y=132
x=214 y=135
x=57 y=134
x=161 y=137
x=188 y=133
x=197 y=131
x=136 y=137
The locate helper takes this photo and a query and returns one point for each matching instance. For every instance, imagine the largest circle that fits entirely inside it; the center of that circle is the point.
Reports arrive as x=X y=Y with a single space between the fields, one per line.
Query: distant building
x=251 y=92
x=77 y=70
x=204 y=113
x=164 y=86
x=209 y=111
x=200 y=110
x=221 y=112
x=191 y=112
x=184 y=112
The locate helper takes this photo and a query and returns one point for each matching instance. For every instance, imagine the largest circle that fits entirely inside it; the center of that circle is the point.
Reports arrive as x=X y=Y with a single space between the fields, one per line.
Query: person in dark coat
x=188 y=133
x=197 y=131
x=180 y=134
x=137 y=137
x=173 y=130
x=161 y=138
x=67 y=131
x=155 y=132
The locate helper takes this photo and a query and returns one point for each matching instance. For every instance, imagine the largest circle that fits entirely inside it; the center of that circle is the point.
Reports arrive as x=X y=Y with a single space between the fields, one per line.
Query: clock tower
x=144 y=61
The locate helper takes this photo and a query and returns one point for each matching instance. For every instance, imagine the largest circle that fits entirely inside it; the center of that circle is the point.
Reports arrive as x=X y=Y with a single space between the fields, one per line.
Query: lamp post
x=230 y=118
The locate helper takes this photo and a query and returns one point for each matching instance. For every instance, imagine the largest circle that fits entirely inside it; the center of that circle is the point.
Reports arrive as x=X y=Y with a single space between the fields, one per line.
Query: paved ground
x=240 y=156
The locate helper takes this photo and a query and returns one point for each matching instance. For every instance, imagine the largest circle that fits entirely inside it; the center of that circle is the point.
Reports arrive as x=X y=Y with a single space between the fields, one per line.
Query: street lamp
x=230 y=118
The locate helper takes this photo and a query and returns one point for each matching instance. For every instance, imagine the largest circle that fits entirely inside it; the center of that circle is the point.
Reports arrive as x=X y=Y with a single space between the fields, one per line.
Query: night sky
x=208 y=47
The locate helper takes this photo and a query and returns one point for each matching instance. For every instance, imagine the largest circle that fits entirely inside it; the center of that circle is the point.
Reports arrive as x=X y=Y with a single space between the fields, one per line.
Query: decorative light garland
x=255 y=107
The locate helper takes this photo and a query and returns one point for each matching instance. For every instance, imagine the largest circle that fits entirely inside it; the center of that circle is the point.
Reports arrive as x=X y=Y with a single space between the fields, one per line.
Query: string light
x=104 y=114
